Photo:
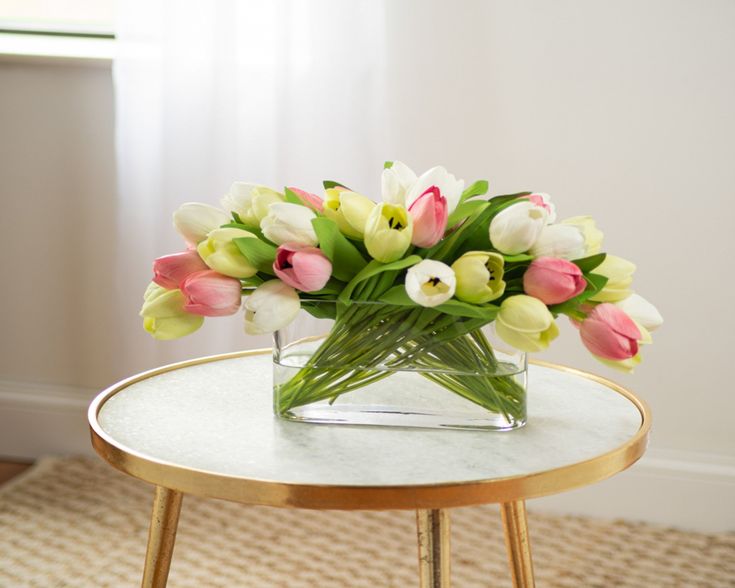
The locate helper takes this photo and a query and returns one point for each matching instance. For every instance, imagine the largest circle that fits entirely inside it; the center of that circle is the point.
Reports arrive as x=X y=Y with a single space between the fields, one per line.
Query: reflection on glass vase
x=370 y=363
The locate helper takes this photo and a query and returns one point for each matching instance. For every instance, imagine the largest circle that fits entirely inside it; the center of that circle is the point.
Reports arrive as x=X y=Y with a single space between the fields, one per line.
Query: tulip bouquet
x=409 y=282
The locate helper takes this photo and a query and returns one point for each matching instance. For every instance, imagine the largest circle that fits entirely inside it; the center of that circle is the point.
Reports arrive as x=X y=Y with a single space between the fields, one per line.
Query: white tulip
x=641 y=311
x=272 y=306
x=515 y=229
x=565 y=241
x=195 y=220
x=544 y=200
x=396 y=182
x=430 y=282
x=449 y=187
x=592 y=235
x=250 y=201
x=289 y=223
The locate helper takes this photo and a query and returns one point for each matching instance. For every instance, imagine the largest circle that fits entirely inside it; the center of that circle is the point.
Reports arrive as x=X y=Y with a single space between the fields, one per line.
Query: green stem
x=368 y=343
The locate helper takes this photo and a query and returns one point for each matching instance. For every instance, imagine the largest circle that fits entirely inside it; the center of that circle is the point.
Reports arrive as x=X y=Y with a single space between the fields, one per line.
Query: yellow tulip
x=479 y=277
x=349 y=210
x=164 y=316
x=619 y=274
x=221 y=254
x=388 y=232
x=525 y=323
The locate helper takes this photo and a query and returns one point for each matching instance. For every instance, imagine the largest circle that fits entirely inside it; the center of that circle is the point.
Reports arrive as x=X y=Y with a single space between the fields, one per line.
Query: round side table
x=206 y=427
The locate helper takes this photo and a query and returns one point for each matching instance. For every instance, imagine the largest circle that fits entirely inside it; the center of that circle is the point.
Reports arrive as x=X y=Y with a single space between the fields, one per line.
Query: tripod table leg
x=434 y=550
x=517 y=543
x=161 y=537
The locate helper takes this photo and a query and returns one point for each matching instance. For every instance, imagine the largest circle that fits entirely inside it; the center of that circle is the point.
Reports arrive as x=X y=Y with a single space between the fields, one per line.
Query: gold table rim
x=316 y=496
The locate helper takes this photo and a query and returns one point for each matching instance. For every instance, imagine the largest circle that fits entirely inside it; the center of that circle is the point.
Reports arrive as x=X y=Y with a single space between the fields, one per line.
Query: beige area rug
x=76 y=522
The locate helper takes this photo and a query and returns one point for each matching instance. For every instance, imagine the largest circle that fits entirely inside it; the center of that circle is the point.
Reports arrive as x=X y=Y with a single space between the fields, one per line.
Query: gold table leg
x=517 y=543
x=161 y=537
x=434 y=549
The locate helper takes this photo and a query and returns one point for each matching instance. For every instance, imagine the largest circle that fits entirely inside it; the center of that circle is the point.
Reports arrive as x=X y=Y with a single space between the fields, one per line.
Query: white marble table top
x=217 y=417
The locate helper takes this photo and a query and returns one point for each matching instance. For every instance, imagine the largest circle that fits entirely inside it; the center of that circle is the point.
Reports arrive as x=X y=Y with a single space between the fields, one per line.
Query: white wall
x=620 y=110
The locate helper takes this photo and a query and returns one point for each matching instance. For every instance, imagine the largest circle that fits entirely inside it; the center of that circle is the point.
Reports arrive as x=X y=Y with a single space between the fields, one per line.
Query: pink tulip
x=302 y=267
x=553 y=280
x=311 y=200
x=170 y=271
x=609 y=333
x=208 y=293
x=429 y=212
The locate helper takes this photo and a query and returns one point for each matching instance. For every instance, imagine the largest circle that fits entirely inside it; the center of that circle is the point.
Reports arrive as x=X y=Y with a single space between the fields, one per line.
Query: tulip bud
x=641 y=311
x=289 y=223
x=164 y=316
x=609 y=333
x=194 y=221
x=270 y=307
x=592 y=235
x=515 y=229
x=302 y=267
x=563 y=241
x=479 y=276
x=396 y=182
x=388 y=232
x=208 y=293
x=525 y=323
x=544 y=201
x=553 y=280
x=170 y=270
x=448 y=186
x=429 y=282
x=429 y=213
x=308 y=199
x=220 y=253
x=349 y=210
x=619 y=274
x=250 y=201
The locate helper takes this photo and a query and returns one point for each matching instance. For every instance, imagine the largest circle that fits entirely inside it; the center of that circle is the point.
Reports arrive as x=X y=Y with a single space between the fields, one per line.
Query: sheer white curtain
x=273 y=92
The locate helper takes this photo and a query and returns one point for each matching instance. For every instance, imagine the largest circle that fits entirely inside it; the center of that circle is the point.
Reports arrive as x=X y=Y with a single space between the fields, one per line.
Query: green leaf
x=505 y=198
x=595 y=283
x=587 y=264
x=397 y=295
x=374 y=268
x=252 y=281
x=479 y=188
x=252 y=230
x=237 y=218
x=464 y=210
x=346 y=259
x=320 y=311
x=517 y=258
x=330 y=184
x=387 y=165
x=260 y=254
x=332 y=287
x=487 y=312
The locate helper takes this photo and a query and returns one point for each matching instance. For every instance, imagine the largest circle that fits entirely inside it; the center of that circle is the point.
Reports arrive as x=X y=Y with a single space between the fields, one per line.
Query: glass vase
x=370 y=363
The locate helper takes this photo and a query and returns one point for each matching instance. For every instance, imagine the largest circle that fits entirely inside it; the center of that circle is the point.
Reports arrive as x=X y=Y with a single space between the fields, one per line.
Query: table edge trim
x=316 y=496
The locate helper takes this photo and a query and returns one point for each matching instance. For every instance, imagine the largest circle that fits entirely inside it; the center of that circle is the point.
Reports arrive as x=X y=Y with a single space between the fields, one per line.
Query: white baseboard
x=43 y=419
x=694 y=491
x=676 y=488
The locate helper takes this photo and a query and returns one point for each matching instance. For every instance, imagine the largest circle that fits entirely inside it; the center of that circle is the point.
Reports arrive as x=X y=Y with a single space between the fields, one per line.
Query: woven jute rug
x=76 y=522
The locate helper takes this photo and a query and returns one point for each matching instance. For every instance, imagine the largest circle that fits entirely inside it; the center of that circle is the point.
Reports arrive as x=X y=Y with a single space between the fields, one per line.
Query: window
x=82 y=18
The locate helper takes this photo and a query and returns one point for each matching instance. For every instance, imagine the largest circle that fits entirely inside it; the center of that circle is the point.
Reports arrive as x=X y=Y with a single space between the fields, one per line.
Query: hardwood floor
x=10 y=469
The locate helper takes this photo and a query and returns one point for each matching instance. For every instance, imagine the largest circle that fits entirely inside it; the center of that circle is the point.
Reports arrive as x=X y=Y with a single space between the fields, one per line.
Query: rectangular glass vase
x=371 y=363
